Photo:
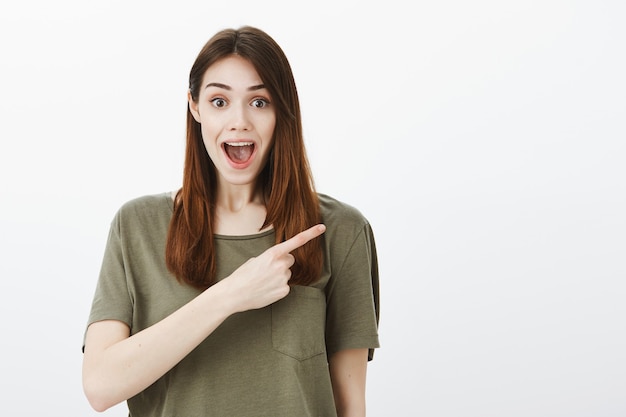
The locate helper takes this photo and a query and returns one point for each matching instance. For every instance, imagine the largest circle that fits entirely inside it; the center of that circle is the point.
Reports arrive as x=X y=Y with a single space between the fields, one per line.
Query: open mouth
x=239 y=152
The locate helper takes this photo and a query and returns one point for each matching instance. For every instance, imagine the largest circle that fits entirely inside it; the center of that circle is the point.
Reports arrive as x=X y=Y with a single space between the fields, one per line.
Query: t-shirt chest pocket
x=298 y=323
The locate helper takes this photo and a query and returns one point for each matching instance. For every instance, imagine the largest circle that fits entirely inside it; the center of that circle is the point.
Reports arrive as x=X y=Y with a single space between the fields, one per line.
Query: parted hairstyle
x=290 y=198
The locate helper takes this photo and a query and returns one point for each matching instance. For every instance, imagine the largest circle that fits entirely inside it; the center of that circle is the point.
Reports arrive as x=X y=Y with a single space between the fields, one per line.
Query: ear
x=193 y=107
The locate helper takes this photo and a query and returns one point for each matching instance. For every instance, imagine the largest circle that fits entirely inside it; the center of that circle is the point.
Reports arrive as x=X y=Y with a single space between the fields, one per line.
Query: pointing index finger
x=301 y=238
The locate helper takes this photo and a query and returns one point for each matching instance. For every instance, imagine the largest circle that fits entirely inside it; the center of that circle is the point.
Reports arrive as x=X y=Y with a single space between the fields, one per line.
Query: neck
x=240 y=210
x=234 y=198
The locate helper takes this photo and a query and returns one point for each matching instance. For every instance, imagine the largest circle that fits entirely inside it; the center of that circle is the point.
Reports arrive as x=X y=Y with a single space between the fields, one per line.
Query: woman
x=245 y=293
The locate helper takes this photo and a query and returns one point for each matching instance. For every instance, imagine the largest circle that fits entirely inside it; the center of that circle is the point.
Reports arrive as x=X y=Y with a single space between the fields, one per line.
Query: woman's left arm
x=348 y=369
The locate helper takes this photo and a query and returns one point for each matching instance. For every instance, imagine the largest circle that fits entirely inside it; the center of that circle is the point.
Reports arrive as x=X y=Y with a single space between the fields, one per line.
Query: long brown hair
x=291 y=201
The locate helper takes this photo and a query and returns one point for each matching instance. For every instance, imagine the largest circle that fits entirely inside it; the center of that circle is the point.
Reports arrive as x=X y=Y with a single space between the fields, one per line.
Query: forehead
x=233 y=71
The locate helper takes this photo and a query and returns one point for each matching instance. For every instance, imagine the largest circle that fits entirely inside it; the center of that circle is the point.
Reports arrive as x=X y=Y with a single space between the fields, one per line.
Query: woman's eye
x=218 y=102
x=259 y=103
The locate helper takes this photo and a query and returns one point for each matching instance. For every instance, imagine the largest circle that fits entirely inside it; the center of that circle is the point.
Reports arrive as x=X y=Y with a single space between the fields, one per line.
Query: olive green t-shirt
x=266 y=362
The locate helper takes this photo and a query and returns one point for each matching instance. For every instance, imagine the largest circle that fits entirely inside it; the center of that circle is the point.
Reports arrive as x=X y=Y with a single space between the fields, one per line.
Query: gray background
x=484 y=140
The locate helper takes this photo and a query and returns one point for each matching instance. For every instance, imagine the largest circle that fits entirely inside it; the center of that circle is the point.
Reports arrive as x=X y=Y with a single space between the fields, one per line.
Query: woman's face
x=237 y=120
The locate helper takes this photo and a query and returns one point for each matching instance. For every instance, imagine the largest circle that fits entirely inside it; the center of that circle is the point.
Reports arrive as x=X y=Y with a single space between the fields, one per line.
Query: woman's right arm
x=117 y=366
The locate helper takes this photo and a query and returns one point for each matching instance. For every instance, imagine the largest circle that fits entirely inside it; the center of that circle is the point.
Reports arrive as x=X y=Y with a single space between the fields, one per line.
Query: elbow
x=97 y=396
x=99 y=407
x=97 y=403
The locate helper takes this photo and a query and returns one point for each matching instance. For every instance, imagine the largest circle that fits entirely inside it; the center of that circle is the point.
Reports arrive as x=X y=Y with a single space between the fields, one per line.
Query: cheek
x=210 y=142
x=209 y=130
x=269 y=127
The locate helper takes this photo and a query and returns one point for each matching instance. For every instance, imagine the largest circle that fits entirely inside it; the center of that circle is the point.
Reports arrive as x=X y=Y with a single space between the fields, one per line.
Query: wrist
x=223 y=298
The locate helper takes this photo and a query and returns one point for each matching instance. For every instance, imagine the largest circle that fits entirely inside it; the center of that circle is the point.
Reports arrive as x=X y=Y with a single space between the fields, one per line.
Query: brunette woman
x=245 y=292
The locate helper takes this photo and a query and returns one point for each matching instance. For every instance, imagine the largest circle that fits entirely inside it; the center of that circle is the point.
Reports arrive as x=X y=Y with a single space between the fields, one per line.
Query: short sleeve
x=352 y=314
x=112 y=300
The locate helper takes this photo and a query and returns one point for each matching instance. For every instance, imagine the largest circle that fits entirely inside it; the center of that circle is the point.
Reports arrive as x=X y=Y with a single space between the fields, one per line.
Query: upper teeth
x=239 y=144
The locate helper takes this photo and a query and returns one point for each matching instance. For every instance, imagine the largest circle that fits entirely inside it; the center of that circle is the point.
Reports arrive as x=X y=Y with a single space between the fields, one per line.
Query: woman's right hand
x=117 y=366
x=264 y=279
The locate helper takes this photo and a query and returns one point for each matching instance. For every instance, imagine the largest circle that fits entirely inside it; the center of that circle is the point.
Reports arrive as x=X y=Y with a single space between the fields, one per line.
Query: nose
x=239 y=119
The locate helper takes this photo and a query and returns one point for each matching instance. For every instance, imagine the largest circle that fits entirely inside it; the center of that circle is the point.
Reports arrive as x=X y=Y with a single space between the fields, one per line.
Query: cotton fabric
x=271 y=361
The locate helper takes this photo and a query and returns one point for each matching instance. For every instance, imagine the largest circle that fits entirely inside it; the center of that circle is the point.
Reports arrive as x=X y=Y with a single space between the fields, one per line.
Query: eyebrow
x=229 y=88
